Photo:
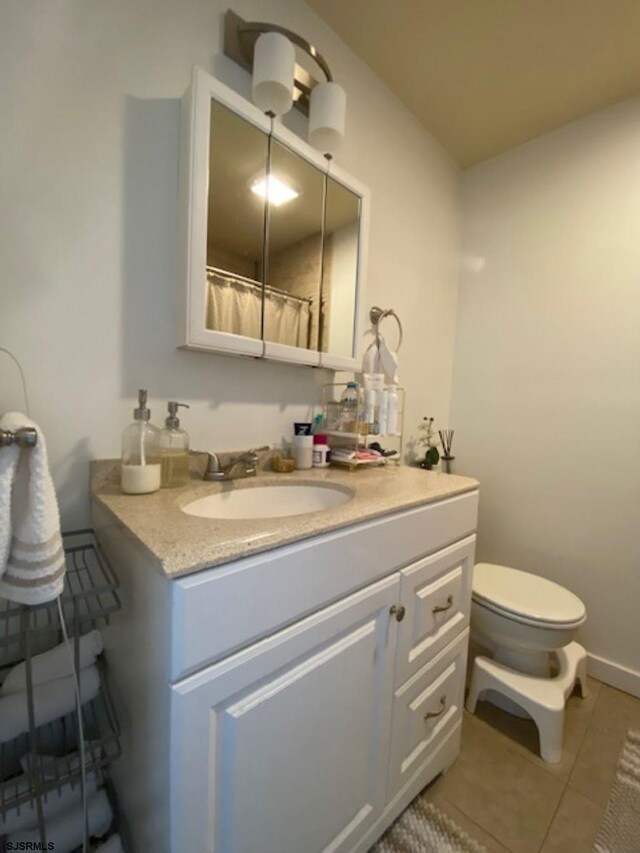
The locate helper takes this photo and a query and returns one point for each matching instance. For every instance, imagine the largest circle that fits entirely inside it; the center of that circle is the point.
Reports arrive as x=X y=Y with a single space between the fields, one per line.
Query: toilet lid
x=526 y=595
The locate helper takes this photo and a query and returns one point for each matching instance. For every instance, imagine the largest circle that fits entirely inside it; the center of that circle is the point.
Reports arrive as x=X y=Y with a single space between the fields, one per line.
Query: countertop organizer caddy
x=355 y=421
x=348 y=425
x=36 y=764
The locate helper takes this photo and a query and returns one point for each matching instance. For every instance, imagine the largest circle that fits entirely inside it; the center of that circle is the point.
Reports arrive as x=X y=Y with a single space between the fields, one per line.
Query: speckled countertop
x=182 y=544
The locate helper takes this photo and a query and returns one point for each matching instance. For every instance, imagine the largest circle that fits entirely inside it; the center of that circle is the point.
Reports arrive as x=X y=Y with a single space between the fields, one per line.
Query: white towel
x=49 y=765
x=56 y=663
x=50 y=701
x=8 y=465
x=371 y=359
x=54 y=803
x=388 y=362
x=66 y=830
x=33 y=570
x=111 y=845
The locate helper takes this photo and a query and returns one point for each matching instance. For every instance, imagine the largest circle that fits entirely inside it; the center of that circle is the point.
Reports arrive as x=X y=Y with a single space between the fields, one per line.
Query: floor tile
x=522 y=734
x=616 y=712
x=595 y=765
x=574 y=826
x=505 y=794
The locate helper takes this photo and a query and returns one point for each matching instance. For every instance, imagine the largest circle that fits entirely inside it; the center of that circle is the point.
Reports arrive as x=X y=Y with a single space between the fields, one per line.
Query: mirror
x=340 y=269
x=292 y=295
x=235 y=224
x=272 y=237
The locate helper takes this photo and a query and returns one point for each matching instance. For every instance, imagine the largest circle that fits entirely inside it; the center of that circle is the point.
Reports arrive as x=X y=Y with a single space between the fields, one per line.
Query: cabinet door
x=284 y=746
x=223 y=147
x=436 y=595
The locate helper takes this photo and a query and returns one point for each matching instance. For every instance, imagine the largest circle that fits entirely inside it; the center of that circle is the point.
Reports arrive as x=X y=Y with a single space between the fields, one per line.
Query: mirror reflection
x=292 y=296
x=340 y=269
x=310 y=260
x=235 y=224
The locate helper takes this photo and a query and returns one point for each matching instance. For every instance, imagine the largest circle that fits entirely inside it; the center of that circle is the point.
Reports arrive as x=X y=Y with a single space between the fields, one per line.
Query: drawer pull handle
x=398 y=612
x=441 y=608
x=431 y=715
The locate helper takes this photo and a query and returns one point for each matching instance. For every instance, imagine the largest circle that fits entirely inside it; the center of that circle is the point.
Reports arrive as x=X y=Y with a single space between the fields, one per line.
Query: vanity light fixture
x=274 y=190
x=268 y=51
x=327 y=113
x=274 y=60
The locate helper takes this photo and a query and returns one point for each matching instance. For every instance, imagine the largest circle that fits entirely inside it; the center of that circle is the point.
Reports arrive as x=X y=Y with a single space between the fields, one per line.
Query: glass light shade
x=327 y=112
x=274 y=60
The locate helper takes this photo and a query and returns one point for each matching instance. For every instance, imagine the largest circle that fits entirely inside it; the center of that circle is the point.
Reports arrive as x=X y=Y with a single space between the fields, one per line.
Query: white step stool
x=543 y=699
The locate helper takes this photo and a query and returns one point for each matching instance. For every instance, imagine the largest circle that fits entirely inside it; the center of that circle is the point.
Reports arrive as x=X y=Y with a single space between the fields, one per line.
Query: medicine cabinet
x=274 y=237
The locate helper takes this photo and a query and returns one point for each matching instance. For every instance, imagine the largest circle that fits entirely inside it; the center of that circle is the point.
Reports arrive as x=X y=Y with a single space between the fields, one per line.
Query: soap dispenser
x=174 y=449
x=140 y=471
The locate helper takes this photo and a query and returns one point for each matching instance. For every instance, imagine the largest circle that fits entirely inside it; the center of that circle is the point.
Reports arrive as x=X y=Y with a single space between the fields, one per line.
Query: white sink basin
x=268 y=501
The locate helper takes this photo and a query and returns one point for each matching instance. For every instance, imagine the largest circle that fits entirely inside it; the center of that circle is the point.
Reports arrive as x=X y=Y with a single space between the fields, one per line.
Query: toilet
x=527 y=623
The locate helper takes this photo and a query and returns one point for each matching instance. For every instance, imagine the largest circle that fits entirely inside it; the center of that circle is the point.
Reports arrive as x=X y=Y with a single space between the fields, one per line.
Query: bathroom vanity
x=287 y=684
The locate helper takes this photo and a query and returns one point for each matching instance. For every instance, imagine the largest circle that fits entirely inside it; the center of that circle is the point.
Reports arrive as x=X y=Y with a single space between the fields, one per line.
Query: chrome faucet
x=244 y=465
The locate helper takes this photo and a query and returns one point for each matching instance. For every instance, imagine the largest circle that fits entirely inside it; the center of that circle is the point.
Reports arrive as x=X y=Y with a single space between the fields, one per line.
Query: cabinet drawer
x=436 y=595
x=425 y=710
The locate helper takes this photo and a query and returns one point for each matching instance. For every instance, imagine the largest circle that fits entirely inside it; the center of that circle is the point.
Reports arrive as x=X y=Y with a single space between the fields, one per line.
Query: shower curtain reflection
x=286 y=320
x=234 y=305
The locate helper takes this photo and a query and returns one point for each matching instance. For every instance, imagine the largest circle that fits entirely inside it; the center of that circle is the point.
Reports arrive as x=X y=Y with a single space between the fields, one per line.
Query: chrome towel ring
x=377 y=315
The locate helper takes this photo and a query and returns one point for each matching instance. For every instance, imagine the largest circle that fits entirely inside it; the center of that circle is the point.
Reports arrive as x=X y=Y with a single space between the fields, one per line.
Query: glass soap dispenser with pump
x=140 y=470
x=174 y=449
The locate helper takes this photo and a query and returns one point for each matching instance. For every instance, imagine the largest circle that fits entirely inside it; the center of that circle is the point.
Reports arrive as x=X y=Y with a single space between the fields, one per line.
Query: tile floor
x=502 y=793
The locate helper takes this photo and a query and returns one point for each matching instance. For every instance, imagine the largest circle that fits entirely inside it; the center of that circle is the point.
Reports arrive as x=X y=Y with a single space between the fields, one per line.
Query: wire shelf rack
x=90 y=595
x=57 y=762
x=39 y=762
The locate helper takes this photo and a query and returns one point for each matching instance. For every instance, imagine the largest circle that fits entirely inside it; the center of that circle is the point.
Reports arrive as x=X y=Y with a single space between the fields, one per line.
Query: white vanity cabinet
x=296 y=700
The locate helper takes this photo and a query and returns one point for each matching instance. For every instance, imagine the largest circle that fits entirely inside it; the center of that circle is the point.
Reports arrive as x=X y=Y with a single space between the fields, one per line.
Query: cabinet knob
x=398 y=611
x=441 y=608
x=430 y=715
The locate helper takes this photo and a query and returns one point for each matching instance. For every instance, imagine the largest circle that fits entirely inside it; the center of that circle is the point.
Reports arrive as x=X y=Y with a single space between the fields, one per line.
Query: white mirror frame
x=194 y=188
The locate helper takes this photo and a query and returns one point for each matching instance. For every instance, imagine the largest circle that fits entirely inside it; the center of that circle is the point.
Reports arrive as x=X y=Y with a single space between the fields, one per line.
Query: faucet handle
x=252 y=455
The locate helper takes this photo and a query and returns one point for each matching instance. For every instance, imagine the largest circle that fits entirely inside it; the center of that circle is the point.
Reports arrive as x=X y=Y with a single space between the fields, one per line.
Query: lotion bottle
x=174 y=450
x=140 y=469
x=382 y=412
x=392 y=410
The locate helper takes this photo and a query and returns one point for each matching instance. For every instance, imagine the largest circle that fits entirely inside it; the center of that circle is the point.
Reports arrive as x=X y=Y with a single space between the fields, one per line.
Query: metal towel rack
x=25 y=437
x=377 y=315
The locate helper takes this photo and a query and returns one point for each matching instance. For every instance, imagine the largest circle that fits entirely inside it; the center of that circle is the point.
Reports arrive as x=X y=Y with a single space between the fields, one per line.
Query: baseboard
x=614 y=674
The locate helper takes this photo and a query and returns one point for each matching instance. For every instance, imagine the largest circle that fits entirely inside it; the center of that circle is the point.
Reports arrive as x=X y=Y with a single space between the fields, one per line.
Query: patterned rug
x=423 y=828
x=620 y=829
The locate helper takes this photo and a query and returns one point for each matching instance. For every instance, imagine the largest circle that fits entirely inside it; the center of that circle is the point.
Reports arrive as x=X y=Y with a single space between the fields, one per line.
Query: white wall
x=88 y=262
x=547 y=367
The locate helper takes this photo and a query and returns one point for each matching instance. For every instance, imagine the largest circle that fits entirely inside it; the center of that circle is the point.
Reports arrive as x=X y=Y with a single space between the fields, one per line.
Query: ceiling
x=486 y=75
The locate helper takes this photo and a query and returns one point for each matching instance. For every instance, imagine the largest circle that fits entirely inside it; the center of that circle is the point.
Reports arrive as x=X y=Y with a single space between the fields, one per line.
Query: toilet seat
x=526 y=598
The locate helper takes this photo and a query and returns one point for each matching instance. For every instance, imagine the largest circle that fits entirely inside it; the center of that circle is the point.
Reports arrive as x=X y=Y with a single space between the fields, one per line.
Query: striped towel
x=32 y=563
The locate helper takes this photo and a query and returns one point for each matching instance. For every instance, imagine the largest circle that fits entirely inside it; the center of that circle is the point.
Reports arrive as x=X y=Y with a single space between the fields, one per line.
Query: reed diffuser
x=446 y=439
